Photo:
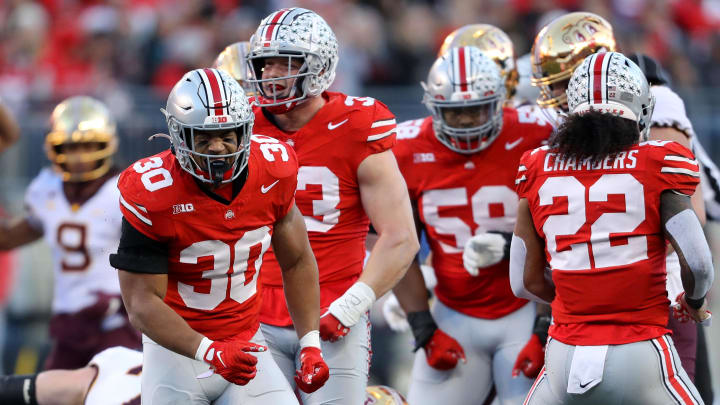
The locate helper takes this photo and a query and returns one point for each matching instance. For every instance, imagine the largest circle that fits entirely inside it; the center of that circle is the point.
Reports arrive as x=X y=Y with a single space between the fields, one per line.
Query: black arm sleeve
x=138 y=253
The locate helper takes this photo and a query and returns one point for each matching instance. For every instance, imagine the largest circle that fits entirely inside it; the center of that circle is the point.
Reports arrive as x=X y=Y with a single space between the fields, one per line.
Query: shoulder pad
x=150 y=181
x=273 y=156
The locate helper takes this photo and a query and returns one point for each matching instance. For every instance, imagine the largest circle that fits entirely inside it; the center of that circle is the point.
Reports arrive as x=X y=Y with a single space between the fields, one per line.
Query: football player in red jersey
x=599 y=204
x=197 y=221
x=558 y=49
x=459 y=165
x=348 y=177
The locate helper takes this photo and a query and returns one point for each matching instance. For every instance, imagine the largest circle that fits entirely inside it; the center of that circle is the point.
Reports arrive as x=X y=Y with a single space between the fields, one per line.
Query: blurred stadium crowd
x=50 y=49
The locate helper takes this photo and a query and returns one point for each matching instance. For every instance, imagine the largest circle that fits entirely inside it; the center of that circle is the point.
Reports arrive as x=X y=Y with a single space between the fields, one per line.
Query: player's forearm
x=151 y=316
x=9 y=129
x=410 y=291
x=389 y=260
x=302 y=293
x=15 y=233
x=539 y=286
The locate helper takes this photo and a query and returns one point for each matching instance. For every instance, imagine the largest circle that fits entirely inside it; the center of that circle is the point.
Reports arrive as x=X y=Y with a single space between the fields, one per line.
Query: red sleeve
x=279 y=162
x=675 y=167
x=287 y=199
x=522 y=182
x=376 y=129
x=404 y=156
x=140 y=208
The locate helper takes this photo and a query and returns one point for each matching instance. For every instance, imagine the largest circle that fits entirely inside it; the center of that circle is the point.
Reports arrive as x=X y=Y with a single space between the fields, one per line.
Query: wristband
x=356 y=301
x=311 y=339
x=423 y=327
x=202 y=349
x=694 y=304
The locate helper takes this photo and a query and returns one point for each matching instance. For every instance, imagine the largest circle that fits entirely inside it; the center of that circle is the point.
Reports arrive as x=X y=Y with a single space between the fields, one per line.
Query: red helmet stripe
x=273 y=24
x=461 y=68
x=217 y=103
x=598 y=78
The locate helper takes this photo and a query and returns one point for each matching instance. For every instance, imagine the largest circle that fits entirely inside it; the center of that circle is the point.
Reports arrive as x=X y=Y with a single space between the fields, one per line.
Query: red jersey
x=459 y=195
x=604 y=239
x=329 y=149
x=215 y=248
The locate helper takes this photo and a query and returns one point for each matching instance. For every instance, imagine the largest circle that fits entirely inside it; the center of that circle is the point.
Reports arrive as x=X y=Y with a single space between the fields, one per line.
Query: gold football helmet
x=81 y=120
x=494 y=42
x=383 y=395
x=560 y=47
x=232 y=60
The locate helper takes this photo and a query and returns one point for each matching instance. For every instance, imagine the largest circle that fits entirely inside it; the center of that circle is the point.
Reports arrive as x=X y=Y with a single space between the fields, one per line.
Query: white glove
x=483 y=250
x=394 y=314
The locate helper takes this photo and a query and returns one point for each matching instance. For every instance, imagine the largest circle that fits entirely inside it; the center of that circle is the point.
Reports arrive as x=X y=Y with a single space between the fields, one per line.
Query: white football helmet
x=465 y=77
x=611 y=83
x=209 y=99
x=294 y=33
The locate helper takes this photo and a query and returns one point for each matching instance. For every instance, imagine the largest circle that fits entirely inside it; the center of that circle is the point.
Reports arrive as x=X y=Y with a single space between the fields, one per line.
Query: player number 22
x=243 y=280
x=577 y=257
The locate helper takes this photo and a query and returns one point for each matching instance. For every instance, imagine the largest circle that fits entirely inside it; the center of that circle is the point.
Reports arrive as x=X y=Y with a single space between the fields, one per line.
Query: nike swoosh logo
x=220 y=358
x=264 y=189
x=510 y=145
x=586 y=384
x=332 y=126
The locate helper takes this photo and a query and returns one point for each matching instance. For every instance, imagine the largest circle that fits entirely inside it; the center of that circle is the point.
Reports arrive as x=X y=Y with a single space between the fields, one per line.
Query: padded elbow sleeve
x=685 y=228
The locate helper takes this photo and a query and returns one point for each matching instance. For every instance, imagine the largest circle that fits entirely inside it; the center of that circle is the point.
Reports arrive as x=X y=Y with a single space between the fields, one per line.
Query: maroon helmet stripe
x=461 y=68
x=217 y=102
x=597 y=78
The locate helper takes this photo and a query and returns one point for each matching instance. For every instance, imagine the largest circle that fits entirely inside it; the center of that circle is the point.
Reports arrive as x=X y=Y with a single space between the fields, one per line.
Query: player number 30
x=153 y=175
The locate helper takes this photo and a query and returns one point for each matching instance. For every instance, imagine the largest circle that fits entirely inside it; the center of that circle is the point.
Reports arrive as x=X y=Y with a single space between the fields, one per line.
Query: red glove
x=685 y=313
x=313 y=371
x=443 y=352
x=531 y=358
x=232 y=360
x=331 y=329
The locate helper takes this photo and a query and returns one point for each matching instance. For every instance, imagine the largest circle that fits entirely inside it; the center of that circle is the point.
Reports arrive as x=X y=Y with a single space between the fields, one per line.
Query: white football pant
x=171 y=378
x=640 y=373
x=347 y=358
x=491 y=347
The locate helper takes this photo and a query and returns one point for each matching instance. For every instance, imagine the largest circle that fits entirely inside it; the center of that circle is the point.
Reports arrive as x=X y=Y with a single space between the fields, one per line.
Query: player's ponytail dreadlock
x=594 y=135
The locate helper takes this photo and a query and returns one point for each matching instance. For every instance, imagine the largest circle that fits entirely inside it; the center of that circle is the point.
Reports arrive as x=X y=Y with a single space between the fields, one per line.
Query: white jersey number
x=500 y=197
x=243 y=280
x=409 y=129
x=603 y=253
x=154 y=176
x=327 y=206
x=269 y=145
